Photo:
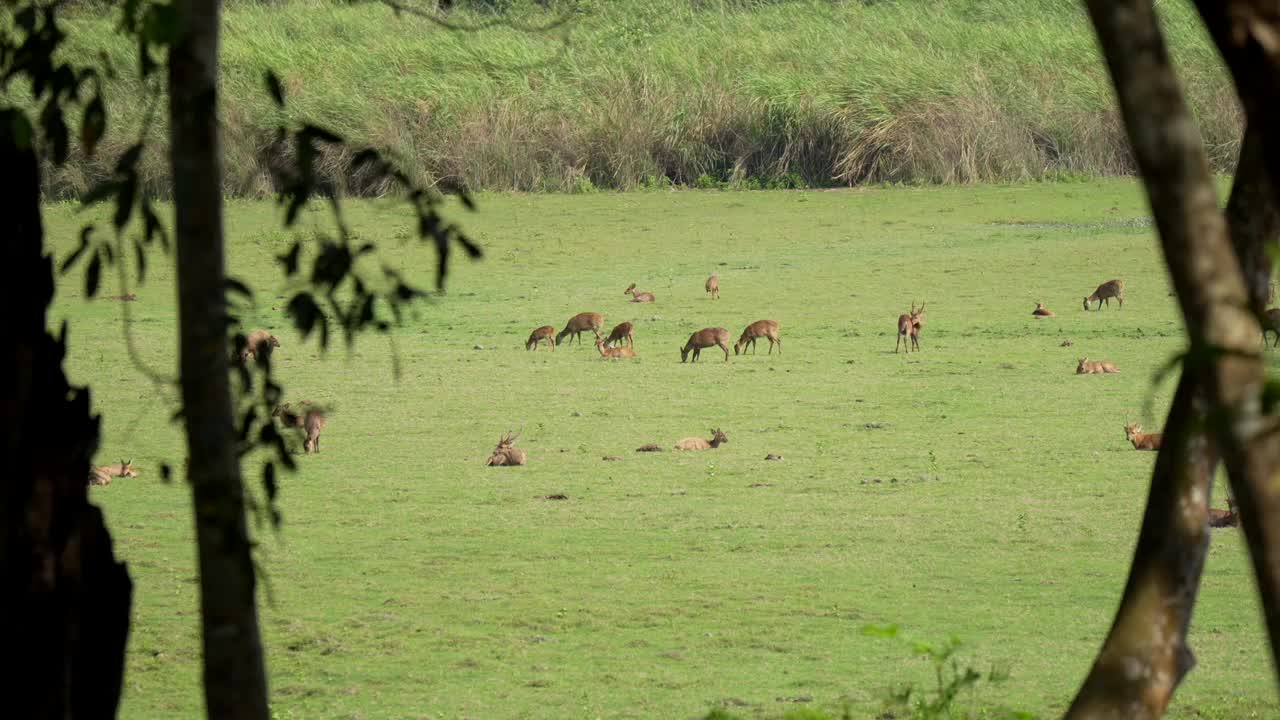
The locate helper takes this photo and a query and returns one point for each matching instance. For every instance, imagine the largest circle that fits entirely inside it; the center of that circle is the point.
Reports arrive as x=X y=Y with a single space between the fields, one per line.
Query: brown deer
x=620 y=332
x=258 y=343
x=1142 y=441
x=546 y=332
x=1095 y=367
x=696 y=443
x=759 y=329
x=636 y=295
x=311 y=420
x=713 y=286
x=102 y=474
x=614 y=353
x=581 y=323
x=506 y=453
x=909 y=328
x=705 y=338
x=1271 y=323
x=1042 y=312
x=1225 y=518
x=1106 y=291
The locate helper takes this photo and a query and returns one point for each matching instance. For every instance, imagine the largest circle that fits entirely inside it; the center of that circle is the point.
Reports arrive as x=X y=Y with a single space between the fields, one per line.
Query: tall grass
x=656 y=92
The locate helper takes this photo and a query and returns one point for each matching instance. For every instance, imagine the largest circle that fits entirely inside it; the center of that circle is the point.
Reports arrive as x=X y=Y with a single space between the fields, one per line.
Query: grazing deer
x=696 y=443
x=1042 y=312
x=713 y=286
x=759 y=329
x=311 y=420
x=614 y=353
x=102 y=474
x=1106 y=291
x=909 y=328
x=506 y=453
x=636 y=295
x=1142 y=441
x=620 y=332
x=1271 y=323
x=546 y=332
x=579 y=324
x=1225 y=518
x=1095 y=367
x=705 y=338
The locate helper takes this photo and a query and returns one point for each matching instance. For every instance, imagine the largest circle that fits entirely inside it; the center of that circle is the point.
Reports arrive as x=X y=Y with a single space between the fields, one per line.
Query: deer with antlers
x=506 y=453
x=909 y=328
x=102 y=474
x=637 y=296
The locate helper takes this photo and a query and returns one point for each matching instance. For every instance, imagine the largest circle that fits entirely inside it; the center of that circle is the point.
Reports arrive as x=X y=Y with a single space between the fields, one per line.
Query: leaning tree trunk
x=234 y=673
x=64 y=600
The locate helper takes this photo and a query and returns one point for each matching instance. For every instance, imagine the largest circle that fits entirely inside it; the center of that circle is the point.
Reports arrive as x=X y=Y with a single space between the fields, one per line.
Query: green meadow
x=977 y=489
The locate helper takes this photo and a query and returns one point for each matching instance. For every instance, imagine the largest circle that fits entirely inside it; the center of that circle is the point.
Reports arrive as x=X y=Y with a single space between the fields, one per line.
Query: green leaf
x=94 y=124
x=91 y=276
x=141 y=257
x=276 y=90
x=85 y=235
x=124 y=201
x=129 y=158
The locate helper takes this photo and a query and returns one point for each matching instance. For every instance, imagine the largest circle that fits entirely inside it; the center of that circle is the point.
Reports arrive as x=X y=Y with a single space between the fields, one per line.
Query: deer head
x=630 y=287
x=718 y=437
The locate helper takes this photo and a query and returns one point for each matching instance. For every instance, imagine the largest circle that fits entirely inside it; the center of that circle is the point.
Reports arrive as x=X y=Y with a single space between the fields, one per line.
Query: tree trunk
x=1145 y=654
x=1252 y=218
x=234 y=671
x=64 y=600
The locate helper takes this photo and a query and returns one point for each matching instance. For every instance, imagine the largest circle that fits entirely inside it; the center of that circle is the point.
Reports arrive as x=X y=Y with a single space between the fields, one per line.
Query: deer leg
x=725 y=348
x=896 y=344
x=779 y=345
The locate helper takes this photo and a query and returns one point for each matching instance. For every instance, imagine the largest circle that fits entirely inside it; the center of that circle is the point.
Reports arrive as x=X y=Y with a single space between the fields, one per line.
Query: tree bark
x=1253 y=219
x=1145 y=654
x=64 y=600
x=234 y=670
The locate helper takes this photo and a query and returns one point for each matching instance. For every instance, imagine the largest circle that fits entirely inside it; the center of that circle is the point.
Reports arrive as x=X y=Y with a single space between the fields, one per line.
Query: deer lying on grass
x=581 y=323
x=713 y=286
x=637 y=296
x=102 y=474
x=909 y=328
x=1225 y=518
x=620 y=332
x=1095 y=367
x=1106 y=291
x=1042 y=312
x=1271 y=323
x=696 y=443
x=759 y=329
x=705 y=338
x=546 y=332
x=311 y=420
x=506 y=453
x=614 y=353
x=1142 y=441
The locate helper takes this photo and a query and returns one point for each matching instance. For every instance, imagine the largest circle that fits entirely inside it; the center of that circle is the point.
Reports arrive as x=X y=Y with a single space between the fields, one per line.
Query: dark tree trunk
x=64 y=600
x=234 y=672
x=1253 y=219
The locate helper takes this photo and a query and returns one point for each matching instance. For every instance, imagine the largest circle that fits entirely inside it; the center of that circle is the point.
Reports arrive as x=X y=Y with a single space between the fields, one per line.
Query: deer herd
x=620 y=344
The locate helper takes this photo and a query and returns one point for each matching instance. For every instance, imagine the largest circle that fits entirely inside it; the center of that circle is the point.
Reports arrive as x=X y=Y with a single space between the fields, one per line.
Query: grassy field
x=978 y=488
x=690 y=92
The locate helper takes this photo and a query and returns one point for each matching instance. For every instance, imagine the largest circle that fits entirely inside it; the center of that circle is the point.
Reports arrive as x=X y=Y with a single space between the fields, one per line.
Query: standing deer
x=636 y=295
x=614 y=353
x=1225 y=518
x=258 y=343
x=1095 y=367
x=713 y=286
x=311 y=420
x=546 y=332
x=579 y=324
x=1042 y=312
x=759 y=329
x=909 y=328
x=620 y=332
x=1142 y=441
x=1106 y=291
x=1271 y=323
x=506 y=453
x=705 y=338
x=102 y=474
x=696 y=443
